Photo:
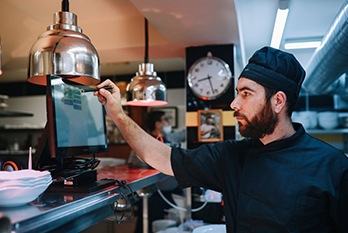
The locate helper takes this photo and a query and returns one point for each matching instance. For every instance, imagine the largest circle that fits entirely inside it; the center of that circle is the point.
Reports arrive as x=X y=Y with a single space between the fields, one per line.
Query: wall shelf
x=328 y=131
x=343 y=131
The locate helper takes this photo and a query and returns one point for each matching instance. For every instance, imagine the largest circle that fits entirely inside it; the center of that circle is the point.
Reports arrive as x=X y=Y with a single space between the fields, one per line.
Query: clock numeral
x=197 y=70
x=209 y=62
x=201 y=90
x=208 y=92
x=216 y=91
x=202 y=64
x=222 y=85
x=196 y=85
x=194 y=77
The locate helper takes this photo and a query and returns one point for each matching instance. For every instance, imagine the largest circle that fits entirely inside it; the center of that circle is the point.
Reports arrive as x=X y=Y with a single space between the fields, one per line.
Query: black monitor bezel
x=64 y=152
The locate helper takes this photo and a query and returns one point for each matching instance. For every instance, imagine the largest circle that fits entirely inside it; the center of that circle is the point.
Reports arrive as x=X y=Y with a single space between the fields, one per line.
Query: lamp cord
x=146 y=42
x=65 y=5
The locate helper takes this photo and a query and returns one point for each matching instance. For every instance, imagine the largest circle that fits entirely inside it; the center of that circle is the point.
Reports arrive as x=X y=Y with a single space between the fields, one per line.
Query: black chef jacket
x=298 y=184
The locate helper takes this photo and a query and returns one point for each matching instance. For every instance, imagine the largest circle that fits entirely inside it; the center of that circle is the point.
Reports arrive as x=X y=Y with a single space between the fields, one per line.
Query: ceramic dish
x=213 y=228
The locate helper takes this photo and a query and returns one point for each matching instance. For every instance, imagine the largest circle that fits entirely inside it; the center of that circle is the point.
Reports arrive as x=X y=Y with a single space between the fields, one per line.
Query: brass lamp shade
x=63 y=50
x=146 y=88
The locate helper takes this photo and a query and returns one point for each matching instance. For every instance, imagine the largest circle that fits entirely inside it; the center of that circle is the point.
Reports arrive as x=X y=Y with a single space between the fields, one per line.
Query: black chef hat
x=275 y=69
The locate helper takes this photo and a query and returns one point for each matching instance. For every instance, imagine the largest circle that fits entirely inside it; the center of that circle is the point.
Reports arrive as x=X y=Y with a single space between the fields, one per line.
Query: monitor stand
x=72 y=181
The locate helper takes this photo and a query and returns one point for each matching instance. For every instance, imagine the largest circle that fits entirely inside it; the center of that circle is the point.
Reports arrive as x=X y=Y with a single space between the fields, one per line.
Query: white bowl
x=328 y=120
x=308 y=119
x=16 y=196
x=213 y=228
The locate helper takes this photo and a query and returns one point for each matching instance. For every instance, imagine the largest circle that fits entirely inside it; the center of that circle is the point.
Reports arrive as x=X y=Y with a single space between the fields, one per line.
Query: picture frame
x=210 y=127
x=171 y=113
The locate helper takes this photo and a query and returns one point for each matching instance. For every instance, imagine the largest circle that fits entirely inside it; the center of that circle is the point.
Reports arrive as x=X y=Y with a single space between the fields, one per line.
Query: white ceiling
x=116 y=28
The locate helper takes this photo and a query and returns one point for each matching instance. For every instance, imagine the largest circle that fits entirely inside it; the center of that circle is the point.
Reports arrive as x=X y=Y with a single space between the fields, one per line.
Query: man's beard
x=262 y=124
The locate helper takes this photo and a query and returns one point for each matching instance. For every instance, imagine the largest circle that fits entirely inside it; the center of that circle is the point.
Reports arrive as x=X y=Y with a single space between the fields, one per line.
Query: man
x=158 y=125
x=278 y=179
x=207 y=127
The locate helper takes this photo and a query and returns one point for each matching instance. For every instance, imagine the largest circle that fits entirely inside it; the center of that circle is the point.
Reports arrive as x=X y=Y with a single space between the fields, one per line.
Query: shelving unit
x=328 y=131
x=343 y=131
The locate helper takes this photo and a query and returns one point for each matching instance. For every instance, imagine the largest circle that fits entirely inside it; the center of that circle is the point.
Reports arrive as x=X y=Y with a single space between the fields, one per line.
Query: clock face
x=209 y=78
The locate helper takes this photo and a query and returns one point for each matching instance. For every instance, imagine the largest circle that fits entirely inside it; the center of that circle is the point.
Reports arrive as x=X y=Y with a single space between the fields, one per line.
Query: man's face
x=164 y=121
x=254 y=114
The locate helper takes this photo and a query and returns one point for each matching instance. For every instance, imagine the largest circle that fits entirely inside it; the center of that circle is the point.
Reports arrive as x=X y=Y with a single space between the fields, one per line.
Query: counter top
x=73 y=212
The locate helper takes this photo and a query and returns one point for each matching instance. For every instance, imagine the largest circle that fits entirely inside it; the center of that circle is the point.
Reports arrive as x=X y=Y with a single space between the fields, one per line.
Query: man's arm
x=152 y=151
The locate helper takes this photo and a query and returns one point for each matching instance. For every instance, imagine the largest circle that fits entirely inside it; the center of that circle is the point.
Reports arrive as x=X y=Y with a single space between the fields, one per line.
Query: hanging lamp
x=63 y=50
x=146 y=88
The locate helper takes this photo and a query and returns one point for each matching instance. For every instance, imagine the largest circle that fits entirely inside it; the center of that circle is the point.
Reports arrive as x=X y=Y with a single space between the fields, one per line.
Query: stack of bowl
x=343 y=119
x=328 y=120
x=23 y=186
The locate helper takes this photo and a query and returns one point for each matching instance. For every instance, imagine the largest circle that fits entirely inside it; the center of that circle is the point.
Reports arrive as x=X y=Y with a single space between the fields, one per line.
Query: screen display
x=79 y=120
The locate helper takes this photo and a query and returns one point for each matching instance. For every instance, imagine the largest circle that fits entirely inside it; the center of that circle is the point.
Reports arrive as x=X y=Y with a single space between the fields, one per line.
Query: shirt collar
x=257 y=145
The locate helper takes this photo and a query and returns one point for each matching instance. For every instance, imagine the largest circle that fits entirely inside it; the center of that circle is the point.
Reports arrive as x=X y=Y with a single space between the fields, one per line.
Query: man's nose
x=235 y=104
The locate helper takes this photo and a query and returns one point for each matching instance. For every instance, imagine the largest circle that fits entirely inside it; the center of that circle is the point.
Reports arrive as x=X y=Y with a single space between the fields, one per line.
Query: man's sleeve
x=198 y=167
x=340 y=213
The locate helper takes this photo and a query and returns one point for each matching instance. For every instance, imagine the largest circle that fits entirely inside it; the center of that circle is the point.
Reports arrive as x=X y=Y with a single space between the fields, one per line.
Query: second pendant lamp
x=146 y=88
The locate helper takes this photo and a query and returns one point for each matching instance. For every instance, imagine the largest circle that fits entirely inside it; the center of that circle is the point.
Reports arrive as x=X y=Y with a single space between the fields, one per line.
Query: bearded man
x=277 y=179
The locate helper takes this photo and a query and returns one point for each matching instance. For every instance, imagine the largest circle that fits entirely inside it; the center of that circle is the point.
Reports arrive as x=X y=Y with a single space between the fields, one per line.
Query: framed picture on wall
x=171 y=113
x=210 y=125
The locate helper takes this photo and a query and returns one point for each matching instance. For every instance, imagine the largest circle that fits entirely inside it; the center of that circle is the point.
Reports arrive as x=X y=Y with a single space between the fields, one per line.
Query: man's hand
x=111 y=99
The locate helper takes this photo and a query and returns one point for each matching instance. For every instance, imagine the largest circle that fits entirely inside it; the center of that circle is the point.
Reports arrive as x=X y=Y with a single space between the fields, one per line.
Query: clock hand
x=203 y=79
x=211 y=85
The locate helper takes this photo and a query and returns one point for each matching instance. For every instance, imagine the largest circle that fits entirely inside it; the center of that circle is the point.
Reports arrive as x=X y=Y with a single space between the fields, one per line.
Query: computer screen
x=79 y=126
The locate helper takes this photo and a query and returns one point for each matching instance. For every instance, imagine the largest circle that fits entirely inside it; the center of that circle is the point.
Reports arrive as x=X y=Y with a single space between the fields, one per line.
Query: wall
x=176 y=98
x=30 y=104
x=23 y=130
x=195 y=104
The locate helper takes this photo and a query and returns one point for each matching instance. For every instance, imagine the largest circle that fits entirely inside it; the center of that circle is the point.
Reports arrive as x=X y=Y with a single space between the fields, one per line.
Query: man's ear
x=279 y=100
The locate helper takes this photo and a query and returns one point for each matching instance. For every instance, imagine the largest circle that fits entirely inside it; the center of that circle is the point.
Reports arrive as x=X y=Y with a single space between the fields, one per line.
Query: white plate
x=213 y=228
x=11 y=197
x=7 y=185
x=25 y=182
x=23 y=175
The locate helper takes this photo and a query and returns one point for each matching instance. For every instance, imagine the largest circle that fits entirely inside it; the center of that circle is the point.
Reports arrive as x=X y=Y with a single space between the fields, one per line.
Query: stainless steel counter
x=73 y=212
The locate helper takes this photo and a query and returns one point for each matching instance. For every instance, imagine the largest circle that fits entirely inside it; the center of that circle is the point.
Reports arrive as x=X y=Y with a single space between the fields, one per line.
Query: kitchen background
x=180 y=32
x=116 y=29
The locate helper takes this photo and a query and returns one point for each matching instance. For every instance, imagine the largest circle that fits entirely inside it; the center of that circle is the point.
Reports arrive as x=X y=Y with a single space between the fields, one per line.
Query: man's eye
x=246 y=93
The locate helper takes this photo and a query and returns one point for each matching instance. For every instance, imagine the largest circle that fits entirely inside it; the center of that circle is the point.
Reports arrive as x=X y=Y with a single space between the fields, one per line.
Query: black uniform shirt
x=298 y=184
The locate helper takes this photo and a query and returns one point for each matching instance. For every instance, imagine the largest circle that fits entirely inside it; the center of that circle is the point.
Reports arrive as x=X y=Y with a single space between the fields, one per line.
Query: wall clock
x=209 y=77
